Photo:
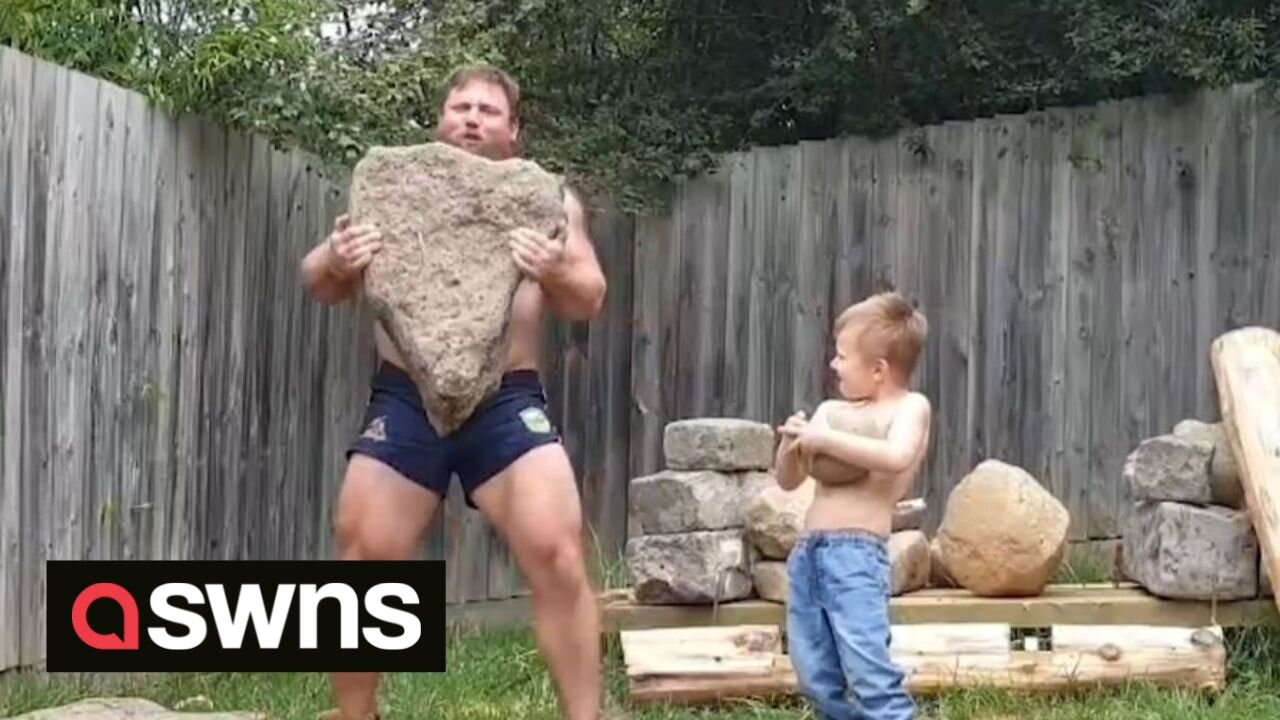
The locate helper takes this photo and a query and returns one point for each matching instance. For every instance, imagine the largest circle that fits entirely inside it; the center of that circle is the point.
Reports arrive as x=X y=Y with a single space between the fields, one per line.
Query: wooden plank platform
x=714 y=663
x=1107 y=604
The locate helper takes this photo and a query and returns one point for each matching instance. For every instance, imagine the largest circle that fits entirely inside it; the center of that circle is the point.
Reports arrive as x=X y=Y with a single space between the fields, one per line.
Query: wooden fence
x=1074 y=265
x=167 y=390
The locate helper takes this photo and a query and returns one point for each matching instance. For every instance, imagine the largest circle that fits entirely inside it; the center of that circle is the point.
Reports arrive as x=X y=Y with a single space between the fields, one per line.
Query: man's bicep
x=578 y=245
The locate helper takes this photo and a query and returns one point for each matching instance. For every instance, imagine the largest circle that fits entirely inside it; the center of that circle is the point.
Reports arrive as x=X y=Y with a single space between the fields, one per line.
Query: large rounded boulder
x=1002 y=534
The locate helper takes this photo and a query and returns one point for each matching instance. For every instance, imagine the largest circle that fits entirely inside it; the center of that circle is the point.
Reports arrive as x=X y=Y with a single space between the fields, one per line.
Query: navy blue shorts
x=509 y=423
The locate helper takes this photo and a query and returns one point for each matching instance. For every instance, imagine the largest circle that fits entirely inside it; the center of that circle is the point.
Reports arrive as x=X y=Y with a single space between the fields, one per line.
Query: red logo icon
x=109 y=641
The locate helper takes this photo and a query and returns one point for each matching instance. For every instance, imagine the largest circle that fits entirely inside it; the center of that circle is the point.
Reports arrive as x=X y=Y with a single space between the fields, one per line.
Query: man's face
x=476 y=117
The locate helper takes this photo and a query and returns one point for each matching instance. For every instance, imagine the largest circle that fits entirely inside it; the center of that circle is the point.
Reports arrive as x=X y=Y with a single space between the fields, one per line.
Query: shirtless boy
x=838 y=570
x=508 y=456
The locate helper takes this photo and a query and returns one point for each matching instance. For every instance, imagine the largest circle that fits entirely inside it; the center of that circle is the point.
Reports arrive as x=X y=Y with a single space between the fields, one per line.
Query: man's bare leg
x=534 y=504
x=381 y=515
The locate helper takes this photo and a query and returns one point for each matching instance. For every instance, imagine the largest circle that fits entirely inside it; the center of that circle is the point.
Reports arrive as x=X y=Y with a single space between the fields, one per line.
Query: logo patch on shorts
x=376 y=430
x=536 y=420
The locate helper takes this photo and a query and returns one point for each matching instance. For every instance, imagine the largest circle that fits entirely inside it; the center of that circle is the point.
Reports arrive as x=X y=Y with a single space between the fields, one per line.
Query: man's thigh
x=380 y=513
x=513 y=466
x=534 y=502
x=397 y=472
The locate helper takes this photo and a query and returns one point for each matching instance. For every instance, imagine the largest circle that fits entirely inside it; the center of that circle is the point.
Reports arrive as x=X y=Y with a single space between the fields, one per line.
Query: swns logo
x=213 y=616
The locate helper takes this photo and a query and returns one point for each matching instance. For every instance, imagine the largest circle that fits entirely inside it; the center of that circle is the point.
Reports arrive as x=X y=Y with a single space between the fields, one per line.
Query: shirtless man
x=863 y=451
x=508 y=456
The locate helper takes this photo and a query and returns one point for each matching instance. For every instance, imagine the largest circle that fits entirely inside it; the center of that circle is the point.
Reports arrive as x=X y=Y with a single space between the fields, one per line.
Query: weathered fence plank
x=762 y=333
x=44 y=215
x=738 y=283
x=15 y=144
x=607 y=421
x=160 y=391
x=135 y=313
x=1056 y=334
x=1264 y=252
x=780 y=243
x=950 y=317
x=1107 y=447
x=1032 y=358
x=814 y=247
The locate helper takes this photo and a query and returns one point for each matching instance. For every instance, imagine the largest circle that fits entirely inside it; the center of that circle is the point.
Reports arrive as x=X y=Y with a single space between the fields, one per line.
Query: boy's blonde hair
x=887 y=326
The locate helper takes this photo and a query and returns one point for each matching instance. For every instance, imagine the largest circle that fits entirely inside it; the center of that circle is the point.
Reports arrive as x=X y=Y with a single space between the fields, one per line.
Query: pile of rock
x=1186 y=532
x=686 y=543
x=714 y=526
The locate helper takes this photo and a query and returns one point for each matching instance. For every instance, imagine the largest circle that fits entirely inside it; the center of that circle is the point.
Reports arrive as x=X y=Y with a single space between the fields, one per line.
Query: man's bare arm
x=893 y=454
x=321 y=281
x=333 y=271
x=575 y=287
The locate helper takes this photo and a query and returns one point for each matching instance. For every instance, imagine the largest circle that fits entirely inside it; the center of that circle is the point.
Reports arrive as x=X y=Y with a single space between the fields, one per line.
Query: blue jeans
x=838 y=627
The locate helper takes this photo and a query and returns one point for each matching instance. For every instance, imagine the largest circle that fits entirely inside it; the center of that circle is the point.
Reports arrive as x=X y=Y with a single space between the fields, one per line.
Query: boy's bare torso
x=526 y=335
x=868 y=501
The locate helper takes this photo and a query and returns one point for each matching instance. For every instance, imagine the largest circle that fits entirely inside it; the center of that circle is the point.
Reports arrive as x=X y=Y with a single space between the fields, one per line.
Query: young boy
x=839 y=573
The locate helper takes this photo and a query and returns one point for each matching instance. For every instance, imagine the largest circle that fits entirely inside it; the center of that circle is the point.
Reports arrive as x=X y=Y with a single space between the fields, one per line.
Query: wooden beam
x=949 y=657
x=1246 y=367
x=741 y=650
x=1105 y=604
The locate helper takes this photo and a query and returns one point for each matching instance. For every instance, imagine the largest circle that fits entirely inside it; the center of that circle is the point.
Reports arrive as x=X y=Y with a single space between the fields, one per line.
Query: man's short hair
x=486 y=73
x=886 y=325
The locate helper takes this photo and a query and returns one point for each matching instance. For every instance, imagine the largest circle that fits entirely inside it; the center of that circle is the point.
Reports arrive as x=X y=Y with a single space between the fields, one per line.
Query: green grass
x=499 y=675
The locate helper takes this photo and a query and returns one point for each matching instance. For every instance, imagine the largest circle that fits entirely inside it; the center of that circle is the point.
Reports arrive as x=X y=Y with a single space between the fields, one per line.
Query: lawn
x=498 y=675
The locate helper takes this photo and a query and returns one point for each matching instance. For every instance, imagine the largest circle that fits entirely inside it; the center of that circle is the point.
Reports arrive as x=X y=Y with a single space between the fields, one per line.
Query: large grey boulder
x=1182 y=551
x=725 y=444
x=1002 y=534
x=443 y=283
x=677 y=501
x=1170 y=468
x=1224 y=474
x=697 y=568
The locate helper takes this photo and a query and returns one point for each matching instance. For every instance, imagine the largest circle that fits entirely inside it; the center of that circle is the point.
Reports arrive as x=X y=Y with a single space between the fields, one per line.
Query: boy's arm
x=567 y=269
x=787 y=468
x=893 y=454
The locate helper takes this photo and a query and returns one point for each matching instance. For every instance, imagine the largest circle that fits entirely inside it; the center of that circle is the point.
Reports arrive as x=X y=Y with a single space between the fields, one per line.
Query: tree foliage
x=627 y=95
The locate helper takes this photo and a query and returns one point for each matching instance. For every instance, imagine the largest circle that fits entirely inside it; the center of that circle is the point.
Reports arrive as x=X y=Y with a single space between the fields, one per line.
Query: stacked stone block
x=1187 y=534
x=686 y=522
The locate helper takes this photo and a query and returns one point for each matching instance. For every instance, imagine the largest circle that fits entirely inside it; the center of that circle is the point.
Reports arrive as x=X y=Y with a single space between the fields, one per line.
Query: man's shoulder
x=574 y=202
